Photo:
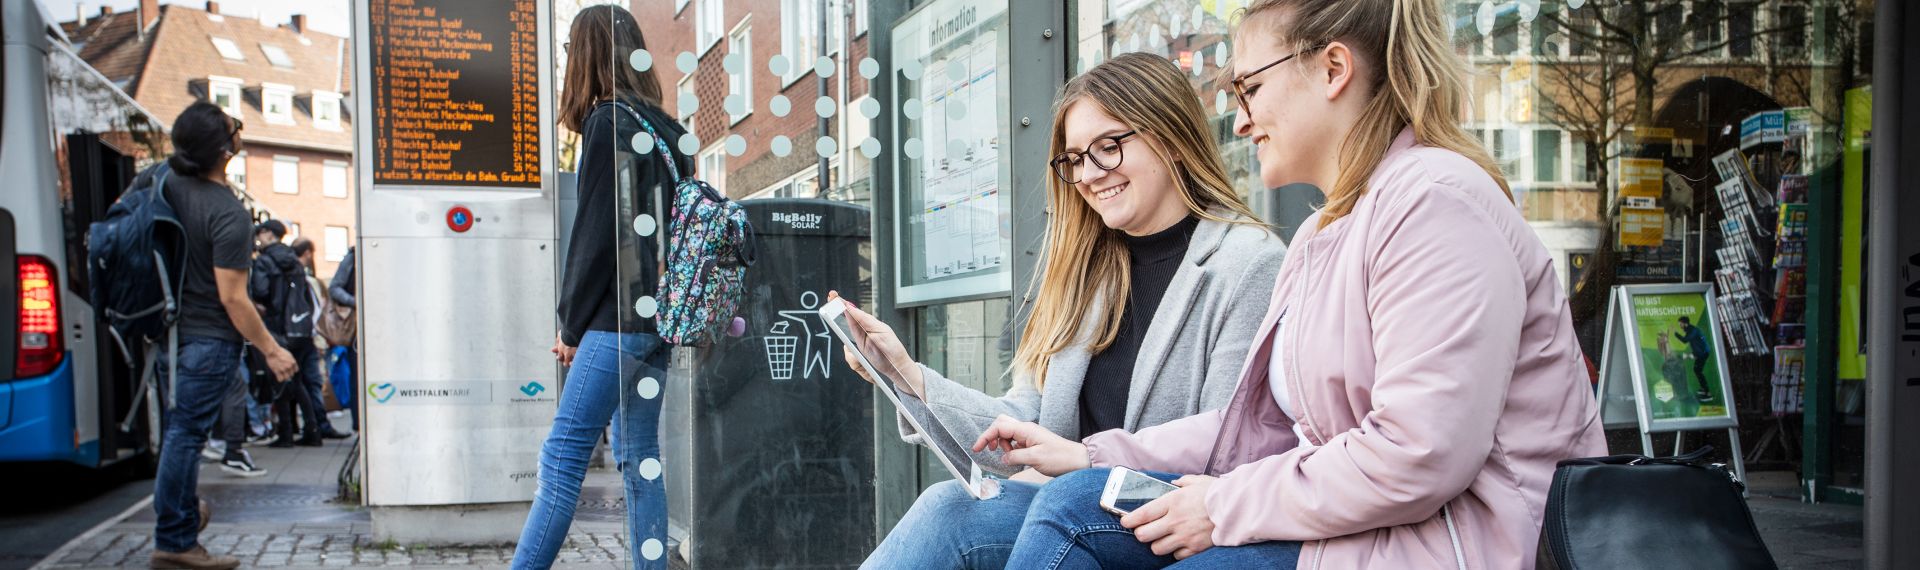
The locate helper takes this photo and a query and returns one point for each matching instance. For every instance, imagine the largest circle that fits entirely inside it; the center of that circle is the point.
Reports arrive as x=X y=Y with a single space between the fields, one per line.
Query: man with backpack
x=216 y=315
x=288 y=308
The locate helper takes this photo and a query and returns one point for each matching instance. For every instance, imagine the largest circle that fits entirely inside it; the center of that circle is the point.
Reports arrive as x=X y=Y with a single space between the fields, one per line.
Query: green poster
x=1674 y=336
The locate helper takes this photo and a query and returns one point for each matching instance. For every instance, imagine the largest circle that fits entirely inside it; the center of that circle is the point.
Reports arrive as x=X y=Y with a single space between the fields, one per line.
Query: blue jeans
x=606 y=371
x=205 y=375
x=1066 y=528
x=948 y=528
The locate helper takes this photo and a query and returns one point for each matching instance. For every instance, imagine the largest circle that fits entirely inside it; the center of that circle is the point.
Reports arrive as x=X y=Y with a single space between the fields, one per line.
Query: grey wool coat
x=1189 y=361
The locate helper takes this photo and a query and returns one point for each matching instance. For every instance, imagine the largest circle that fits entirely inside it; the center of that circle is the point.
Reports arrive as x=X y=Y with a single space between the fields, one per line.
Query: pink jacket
x=1431 y=357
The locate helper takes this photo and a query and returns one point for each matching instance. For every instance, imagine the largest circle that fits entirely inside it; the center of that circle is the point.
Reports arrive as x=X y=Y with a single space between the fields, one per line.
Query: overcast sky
x=325 y=16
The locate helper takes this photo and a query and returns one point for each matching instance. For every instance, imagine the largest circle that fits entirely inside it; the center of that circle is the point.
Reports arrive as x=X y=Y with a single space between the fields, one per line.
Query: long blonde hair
x=1085 y=259
x=1419 y=80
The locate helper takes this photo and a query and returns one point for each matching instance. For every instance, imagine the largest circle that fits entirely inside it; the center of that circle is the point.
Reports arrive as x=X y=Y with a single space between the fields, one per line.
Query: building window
x=1706 y=28
x=276 y=56
x=326 y=110
x=679 y=5
x=286 y=175
x=228 y=50
x=1791 y=40
x=1466 y=32
x=335 y=243
x=225 y=92
x=276 y=102
x=741 y=84
x=681 y=92
x=1506 y=34
x=800 y=36
x=237 y=172
x=859 y=17
x=1740 y=29
x=713 y=166
x=1546 y=155
x=293 y=231
x=333 y=179
x=711 y=23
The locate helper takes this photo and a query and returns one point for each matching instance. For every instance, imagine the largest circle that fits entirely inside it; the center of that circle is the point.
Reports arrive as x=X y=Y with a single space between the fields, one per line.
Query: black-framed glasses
x=1240 y=82
x=233 y=135
x=1104 y=152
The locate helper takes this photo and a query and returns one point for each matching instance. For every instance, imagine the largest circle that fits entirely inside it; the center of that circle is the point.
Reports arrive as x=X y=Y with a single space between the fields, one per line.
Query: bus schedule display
x=455 y=93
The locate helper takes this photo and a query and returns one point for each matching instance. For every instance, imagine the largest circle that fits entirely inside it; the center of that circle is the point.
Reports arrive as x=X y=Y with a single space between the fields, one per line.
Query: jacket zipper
x=1453 y=533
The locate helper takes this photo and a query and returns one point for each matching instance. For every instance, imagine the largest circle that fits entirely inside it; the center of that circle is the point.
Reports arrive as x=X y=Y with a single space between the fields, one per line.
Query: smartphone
x=1128 y=490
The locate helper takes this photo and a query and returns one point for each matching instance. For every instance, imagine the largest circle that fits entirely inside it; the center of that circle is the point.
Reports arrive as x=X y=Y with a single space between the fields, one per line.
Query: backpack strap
x=666 y=155
x=659 y=202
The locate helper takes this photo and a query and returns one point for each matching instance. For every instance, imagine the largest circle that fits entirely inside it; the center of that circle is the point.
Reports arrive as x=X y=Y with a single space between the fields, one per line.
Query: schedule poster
x=455 y=93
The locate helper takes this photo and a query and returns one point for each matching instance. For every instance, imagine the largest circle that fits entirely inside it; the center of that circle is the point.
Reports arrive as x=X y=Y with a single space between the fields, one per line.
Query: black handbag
x=1633 y=511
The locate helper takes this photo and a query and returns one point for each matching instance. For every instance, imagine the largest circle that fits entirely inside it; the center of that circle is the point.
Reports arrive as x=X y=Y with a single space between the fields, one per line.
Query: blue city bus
x=72 y=141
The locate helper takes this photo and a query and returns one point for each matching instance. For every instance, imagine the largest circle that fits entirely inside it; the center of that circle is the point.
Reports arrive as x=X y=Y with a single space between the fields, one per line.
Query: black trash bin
x=773 y=431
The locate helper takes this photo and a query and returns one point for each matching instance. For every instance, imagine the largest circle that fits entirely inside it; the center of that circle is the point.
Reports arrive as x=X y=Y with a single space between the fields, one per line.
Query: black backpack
x=286 y=295
x=134 y=262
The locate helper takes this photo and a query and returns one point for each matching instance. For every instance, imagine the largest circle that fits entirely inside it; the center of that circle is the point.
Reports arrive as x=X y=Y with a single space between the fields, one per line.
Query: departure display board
x=456 y=93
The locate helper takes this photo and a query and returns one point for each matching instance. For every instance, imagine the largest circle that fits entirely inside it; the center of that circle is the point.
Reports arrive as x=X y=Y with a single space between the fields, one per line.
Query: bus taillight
x=40 y=347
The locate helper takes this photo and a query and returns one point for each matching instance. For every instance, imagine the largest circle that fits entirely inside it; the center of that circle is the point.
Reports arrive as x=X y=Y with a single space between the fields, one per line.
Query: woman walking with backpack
x=608 y=349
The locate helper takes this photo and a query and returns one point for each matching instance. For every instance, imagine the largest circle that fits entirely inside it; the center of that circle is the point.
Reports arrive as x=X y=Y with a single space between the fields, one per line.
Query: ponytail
x=1420 y=82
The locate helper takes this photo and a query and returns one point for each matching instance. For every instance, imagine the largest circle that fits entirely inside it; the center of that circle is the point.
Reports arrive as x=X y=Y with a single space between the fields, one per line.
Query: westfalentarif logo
x=532 y=389
x=381 y=392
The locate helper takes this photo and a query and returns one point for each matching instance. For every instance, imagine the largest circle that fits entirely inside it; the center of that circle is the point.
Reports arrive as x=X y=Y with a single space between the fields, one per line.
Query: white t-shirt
x=1277 y=379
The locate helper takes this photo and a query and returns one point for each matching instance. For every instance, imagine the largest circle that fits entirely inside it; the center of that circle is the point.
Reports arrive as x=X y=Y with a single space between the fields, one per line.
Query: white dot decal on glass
x=646 y=307
x=1576 y=4
x=825 y=107
x=912 y=148
x=648 y=389
x=689 y=103
x=1529 y=9
x=870 y=108
x=1199 y=62
x=956 y=72
x=650 y=468
x=1176 y=26
x=956 y=110
x=642 y=142
x=652 y=549
x=781 y=146
x=869 y=68
x=823 y=67
x=736 y=145
x=736 y=104
x=1199 y=15
x=644 y=225
x=956 y=148
x=870 y=148
x=779 y=65
x=640 y=60
x=689 y=143
x=686 y=62
x=1219 y=102
x=1220 y=55
x=912 y=70
x=1483 y=20
x=911 y=109
x=826 y=147
x=780 y=106
x=733 y=62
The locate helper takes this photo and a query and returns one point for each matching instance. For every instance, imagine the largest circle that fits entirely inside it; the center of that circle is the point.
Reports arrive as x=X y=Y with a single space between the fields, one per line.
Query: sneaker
x=241 y=465
x=1704 y=396
x=310 y=440
x=281 y=442
x=198 y=558
x=337 y=414
x=214 y=450
x=261 y=438
x=334 y=434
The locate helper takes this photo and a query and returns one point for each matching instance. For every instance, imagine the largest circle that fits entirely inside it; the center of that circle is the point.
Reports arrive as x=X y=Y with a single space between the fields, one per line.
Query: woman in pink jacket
x=1416 y=377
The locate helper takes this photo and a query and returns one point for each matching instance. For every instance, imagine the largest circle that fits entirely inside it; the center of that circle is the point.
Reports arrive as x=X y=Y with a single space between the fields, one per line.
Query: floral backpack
x=705 y=252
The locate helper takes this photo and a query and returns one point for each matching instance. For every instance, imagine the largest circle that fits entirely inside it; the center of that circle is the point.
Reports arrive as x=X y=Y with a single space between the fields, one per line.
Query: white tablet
x=834 y=312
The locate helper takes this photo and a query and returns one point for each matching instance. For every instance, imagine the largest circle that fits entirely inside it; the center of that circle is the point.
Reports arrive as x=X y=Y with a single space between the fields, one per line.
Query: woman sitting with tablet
x=1155 y=277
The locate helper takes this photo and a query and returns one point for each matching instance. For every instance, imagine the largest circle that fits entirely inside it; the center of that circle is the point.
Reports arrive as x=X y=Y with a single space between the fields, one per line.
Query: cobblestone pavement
x=348 y=546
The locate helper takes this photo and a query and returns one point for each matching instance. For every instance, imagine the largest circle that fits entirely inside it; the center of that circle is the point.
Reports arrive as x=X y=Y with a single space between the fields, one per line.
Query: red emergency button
x=460 y=219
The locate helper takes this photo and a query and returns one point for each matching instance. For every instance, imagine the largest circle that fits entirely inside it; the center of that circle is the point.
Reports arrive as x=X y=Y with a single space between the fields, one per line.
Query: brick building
x=761 y=32
x=287 y=83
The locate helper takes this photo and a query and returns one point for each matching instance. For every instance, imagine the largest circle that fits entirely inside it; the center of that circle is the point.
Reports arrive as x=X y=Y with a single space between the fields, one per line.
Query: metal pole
x=1893 y=303
x=826 y=171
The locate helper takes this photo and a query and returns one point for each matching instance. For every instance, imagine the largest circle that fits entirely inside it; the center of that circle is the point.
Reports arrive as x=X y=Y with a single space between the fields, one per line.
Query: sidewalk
x=290 y=519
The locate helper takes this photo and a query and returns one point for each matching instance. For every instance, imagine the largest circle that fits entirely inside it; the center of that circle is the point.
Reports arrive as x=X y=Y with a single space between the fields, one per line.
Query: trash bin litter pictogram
x=780 y=352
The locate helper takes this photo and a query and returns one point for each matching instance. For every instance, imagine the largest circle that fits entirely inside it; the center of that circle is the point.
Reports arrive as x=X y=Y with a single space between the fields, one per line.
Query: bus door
x=99 y=173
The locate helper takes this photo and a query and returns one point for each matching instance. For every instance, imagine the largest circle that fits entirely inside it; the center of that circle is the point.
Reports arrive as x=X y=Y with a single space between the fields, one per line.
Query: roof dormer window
x=326 y=110
x=225 y=92
x=276 y=103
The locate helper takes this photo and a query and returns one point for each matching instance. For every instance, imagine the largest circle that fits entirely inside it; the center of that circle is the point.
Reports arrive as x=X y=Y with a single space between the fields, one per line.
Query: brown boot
x=206 y=514
x=196 y=559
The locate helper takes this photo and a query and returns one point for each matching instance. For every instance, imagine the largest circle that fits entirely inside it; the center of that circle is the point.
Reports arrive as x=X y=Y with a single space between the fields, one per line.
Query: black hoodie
x=604 y=249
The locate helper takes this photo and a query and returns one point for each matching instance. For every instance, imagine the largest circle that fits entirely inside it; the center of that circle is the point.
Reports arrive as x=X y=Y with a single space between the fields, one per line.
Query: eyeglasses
x=1240 y=83
x=1104 y=152
x=233 y=135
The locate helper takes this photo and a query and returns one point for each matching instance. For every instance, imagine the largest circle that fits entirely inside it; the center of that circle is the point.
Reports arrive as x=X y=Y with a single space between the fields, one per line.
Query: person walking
x=216 y=315
x=1702 y=355
x=279 y=288
x=608 y=349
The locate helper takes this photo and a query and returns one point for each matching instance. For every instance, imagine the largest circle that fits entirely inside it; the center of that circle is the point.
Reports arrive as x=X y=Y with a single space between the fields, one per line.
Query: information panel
x=455 y=90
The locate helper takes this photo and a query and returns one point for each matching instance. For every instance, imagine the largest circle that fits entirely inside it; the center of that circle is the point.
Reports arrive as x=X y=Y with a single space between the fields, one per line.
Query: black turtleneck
x=1154 y=259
